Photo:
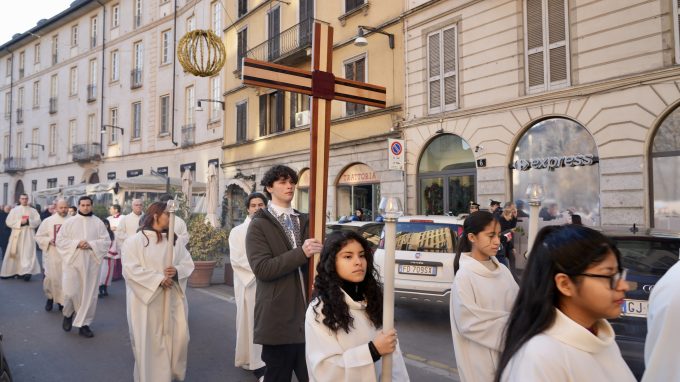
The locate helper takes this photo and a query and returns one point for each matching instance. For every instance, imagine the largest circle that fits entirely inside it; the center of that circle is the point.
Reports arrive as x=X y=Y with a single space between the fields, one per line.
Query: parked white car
x=426 y=246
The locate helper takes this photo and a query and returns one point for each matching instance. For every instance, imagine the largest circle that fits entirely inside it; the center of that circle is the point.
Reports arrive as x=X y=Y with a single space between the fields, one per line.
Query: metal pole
x=534 y=206
x=388 y=291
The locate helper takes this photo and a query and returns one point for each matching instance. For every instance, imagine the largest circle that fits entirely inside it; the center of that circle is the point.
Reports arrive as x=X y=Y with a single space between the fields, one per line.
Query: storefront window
x=234 y=209
x=666 y=173
x=446 y=176
x=358 y=188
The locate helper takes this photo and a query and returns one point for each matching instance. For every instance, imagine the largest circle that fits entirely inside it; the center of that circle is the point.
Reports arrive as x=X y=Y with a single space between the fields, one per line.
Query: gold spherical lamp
x=201 y=53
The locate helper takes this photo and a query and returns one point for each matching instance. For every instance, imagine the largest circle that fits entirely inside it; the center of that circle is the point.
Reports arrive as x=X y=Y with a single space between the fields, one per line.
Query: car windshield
x=652 y=257
x=425 y=236
x=370 y=232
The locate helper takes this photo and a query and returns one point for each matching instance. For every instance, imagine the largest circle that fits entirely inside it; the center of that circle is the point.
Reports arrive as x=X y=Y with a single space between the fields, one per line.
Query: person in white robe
x=663 y=342
x=340 y=349
x=108 y=263
x=114 y=216
x=20 y=257
x=46 y=237
x=482 y=295
x=247 y=354
x=157 y=309
x=181 y=229
x=129 y=224
x=82 y=241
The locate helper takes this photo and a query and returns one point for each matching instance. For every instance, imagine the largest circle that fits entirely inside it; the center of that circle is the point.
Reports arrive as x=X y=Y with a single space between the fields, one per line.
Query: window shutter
x=293 y=109
x=557 y=33
x=534 y=14
x=263 y=115
x=360 y=76
x=241 y=122
x=349 y=74
x=434 y=75
x=449 y=69
x=676 y=29
x=280 y=97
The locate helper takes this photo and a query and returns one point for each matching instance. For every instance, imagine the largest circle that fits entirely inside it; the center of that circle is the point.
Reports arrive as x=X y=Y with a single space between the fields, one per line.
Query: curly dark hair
x=278 y=172
x=327 y=284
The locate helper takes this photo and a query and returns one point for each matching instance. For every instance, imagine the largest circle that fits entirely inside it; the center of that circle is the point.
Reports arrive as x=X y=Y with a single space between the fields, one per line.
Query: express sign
x=551 y=163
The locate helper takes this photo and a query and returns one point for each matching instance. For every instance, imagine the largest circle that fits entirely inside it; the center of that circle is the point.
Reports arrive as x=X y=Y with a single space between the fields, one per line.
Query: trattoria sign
x=551 y=163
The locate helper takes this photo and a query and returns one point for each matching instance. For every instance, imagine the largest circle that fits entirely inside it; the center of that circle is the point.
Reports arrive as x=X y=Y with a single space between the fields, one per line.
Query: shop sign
x=358 y=174
x=133 y=173
x=163 y=171
x=111 y=175
x=551 y=163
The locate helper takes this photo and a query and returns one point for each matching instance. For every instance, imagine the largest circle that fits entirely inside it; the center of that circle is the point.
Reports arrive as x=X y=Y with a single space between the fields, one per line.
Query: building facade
x=95 y=93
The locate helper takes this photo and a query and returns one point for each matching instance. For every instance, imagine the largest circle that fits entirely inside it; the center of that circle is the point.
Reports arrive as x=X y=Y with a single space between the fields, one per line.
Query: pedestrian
x=114 y=216
x=157 y=309
x=576 y=219
x=20 y=258
x=344 y=340
x=82 y=242
x=108 y=263
x=495 y=208
x=474 y=207
x=46 y=238
x=130 y=223
x=359 y=215
x=482 y=295
x=181 y=229
x=49 y=211
x=558 y=329
x=661 y=346
x=508 y=222
x=72 y=211
x=5 y=231
x=247 y=353
x=278 y=250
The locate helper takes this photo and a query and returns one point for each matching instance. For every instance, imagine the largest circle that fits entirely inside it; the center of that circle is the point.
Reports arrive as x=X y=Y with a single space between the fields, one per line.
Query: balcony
x=91 y=93
x=86 y=152
x=53 y=105
x=288 y=47
x=13 y=165
x=136 y=78
x=188 y=135
x=20 y=115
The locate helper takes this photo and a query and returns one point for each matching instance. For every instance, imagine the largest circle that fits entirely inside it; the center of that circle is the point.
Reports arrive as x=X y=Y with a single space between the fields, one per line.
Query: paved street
x=39 y=350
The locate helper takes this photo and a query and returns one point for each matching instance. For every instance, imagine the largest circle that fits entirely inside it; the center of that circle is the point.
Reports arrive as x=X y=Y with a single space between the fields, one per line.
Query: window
x=8 y=67
x=353 y=4
x=241 y=121
x=216 y=14
x=74 y=35
x=546 y=47
x=20 y=143
x=93 y=132
x=35 y=138
x=442 y=67
x=138 y=55
x=36 y=94
x=136 y=120
x=55 y=49
x=92 y=82
x=72 y=130
x=36 y=53
x=53 y=139
x=115 y=16
x=71 y=180
x=165 y=115
x=166 y=39
x=271 y=113
x=93 y=31
x=6 y=146
x=242 y=7
x=298 y=103
x=73 y=81
x=34 y=185
x=190 y=101
x=664 y=164
x=215 y=107
x=52 y=182
x=113 y=121
x=115 y=66
x=138 y=13
x=8 y=105
x=22 y=62
x=355 y=70
x=274 y=32
x=191 y=23
x=20 y=98
x=242 y=47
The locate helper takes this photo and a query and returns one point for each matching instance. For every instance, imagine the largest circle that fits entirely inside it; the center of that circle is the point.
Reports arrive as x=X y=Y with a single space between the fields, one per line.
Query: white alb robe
x=340 y=356
x=127 y=226
x=81 y=266
x=181 y=229
x=20 y=257
x=159 y=342
x=663 y=342
x=108 y=264
x=568 y=352
x=114 y=220
x=247 y=354
x=481 y=300
x=45 y=237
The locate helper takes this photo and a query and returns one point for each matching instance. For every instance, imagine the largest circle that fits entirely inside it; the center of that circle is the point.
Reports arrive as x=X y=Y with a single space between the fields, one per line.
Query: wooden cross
x=323 y=86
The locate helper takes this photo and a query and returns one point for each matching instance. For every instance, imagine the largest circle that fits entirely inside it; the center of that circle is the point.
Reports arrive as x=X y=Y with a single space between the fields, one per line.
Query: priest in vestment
x=130 y=223
x=20 y=259
x=82 y=243
x=157 y=309
x=46 y=238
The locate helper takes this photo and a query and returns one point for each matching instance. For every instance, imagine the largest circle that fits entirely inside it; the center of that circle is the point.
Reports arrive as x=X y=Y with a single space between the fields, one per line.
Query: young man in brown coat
x=278 y=248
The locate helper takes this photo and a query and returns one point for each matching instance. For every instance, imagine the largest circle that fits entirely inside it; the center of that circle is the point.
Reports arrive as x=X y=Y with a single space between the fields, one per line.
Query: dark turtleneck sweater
x=356 y=293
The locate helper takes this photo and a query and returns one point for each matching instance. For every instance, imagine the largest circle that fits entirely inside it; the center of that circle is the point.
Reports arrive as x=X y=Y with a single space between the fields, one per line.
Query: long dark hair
x=328 y=285
x=475 y=223
x=569 y=249
x=155 y=209
x=107 y=224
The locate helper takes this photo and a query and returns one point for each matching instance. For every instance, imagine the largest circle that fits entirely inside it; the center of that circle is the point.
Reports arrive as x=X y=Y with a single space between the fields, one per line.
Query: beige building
x=267 y=127
x=95 y=94
x=577 y=98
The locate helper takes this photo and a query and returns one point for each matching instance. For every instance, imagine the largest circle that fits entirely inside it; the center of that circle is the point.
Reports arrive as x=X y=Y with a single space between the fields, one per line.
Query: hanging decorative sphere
x=201 y=53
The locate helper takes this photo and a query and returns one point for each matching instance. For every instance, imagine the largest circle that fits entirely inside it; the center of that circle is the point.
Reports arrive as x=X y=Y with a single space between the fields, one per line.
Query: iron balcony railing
x=188 y=135
x=13 y=164
x=53 y=105
x=136 y=78
x=86 y=152
x=91 y=93
x=20 y=115
x=284 y=44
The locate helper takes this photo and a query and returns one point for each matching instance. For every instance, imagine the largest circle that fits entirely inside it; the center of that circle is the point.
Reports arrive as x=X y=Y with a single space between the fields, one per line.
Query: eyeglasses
x=613 y=279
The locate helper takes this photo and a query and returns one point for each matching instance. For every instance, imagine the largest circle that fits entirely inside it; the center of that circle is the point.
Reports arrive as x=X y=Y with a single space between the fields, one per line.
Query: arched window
x=446 y=176
x=665 y=157
x=358 y=188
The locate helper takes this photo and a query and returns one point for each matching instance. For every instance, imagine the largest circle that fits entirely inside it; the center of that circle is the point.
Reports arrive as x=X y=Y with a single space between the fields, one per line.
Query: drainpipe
x=174 y=72
x=11 y=101
x=101 y=101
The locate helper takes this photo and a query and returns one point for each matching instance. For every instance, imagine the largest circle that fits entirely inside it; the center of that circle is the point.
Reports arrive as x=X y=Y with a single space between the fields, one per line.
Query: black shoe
x=106 y=290
x=61 y=307
x=68 y=323
x=27 y=278
x=49 y=304
x=85 y=332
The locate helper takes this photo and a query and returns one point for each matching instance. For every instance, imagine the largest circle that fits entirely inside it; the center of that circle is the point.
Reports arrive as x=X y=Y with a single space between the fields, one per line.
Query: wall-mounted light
x=360 y=40
x=113 y=127
x=199 y=108
x=34 y=144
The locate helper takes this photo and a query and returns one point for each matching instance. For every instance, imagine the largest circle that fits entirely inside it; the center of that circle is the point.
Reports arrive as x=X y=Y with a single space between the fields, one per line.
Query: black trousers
x=282 y=361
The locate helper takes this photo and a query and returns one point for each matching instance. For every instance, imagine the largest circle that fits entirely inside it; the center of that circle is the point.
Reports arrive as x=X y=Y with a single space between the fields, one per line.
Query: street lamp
x=34 y=144
x=199 y=108
x=113 y=127
x=390 y=209
x=535 y=196
x=360 y=40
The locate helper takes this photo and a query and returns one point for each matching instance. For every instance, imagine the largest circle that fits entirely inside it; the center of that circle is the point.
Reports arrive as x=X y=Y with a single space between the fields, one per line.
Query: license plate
x=634 y=308
x=418 y=269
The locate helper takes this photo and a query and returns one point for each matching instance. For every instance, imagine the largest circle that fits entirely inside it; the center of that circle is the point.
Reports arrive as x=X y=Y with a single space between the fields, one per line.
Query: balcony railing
x=286 y=46
x=91 y=93
x=86 y=152
x=136 y=78
x=188 y=135
x=53 y=105
x=13 y=164
x=20 y=115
